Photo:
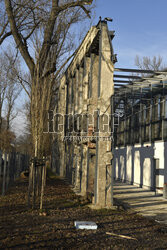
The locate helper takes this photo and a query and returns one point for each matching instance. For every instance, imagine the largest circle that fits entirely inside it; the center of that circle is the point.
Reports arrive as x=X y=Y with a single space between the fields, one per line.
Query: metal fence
x=11 y=166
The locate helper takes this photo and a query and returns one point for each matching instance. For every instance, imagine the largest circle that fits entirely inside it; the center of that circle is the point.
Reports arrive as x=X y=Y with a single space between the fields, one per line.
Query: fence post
x=7 y=171
x=43 y=185
x=19 y=165
x=30 y=182
x=0 y=165
x=14 y=166
x=38 y=180
x=34 y=185
x=4 y=175
x=11 y=165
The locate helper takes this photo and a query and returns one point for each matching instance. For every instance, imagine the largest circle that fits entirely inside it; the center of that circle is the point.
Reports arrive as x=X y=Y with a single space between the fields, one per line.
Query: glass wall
x=145 y=122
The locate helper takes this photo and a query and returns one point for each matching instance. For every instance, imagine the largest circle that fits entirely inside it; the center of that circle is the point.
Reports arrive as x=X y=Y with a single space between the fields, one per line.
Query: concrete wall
x=145 y=165
x=86 y=89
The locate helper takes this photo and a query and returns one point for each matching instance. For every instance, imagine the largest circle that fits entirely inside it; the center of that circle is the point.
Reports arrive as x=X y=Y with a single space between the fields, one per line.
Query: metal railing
x=11 y=166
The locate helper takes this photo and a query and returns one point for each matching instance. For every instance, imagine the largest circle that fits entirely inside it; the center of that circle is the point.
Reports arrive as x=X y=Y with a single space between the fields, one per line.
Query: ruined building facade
x=82 y=146
x=109 y=126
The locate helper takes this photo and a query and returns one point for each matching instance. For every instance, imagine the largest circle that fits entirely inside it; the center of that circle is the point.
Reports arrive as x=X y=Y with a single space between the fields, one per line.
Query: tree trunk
x=40 y=103
x=8 y=120
x=43 y=185
x=0 y=116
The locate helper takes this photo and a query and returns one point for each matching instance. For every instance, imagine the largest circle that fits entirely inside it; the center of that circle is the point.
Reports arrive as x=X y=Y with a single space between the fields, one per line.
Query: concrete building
x=140 y=136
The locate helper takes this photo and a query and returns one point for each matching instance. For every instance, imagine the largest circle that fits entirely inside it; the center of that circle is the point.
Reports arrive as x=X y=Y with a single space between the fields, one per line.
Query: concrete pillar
x=104 y=183
x=70 y=163
x=86 y=82
x=92 y=122
x=59 y=145
x=62 y=111
x=84 y=171
x=77 y=163
x=76 y=90
x=80 y=92
x=93 y=80
x=91 y=171
x=70 y=96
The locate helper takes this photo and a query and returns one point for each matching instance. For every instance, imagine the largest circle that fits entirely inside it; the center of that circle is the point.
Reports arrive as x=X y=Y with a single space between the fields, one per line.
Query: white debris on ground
x=85 y=225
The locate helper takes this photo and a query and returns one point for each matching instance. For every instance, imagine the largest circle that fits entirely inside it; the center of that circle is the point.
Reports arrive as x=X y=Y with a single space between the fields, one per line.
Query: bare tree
x=12 y=94
x=27 y=16
x=147 y=63
x=47 y=25
x=2 y=98
x=3 y=85
x=7 y=139
x=23 y=144
x=10 y=84
x=4 y=24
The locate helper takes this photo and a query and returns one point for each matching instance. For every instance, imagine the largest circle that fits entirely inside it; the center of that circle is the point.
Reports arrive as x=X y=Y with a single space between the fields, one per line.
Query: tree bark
x=41 y=94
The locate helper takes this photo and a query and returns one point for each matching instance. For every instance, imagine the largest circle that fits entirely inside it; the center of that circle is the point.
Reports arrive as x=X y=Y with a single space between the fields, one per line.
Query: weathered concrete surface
x=84 y=94
x=141 y=200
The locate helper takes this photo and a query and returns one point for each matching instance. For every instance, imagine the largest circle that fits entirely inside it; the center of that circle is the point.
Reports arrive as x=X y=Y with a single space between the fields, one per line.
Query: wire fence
x=11 y=166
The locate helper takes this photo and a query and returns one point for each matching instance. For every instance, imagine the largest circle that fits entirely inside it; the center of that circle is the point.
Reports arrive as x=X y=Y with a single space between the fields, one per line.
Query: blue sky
x=140 y=28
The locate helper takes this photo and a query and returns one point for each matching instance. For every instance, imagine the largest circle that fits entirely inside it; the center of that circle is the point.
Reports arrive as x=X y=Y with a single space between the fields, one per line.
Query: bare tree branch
x=5 y=36
x=47 y=24
x=3 y=29
x=18 y=39
x=56 y=9
x=145 y=62
x=32 y=31
x=64 y=64
x=21 y=82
